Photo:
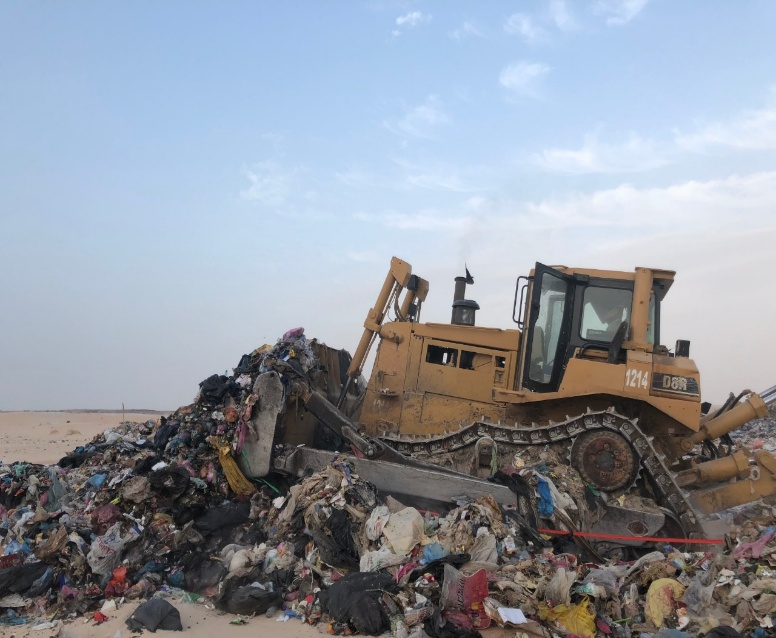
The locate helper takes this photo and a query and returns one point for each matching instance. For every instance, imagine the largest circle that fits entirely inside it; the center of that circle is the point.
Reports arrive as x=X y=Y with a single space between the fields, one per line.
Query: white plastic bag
x=106 y=551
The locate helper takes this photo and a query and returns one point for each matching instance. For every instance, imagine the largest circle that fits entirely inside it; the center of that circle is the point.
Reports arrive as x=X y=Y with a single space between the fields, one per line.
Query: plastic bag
x=602 y=578
x=484 y=549
x=376 y=522
x=661 y=599
x=432 y=552
x=546 y=506
x=169 y=482
x=155 y=614
x=557 y=590
x=380 y=559
x=106 y=551
x=461 y=592
x=355 y=599
x=404 y=530
x=249 y=600
x=577 y=619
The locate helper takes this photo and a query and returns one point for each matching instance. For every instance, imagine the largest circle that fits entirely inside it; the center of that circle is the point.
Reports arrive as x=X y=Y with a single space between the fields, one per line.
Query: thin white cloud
x=632 y=156
x=358 y=178
x=466 y=30
x=439 y=177
x=746 y=199
x=618 y=12
x=520 y=78
x=269 y=184
x=431 y=220
x=561 y=16
x=410 y=21
x=524 y=26
x=748 y=130
x=421 y=120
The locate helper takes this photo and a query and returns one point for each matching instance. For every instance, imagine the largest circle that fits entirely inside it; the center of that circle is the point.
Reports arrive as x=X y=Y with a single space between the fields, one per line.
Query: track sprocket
x=605 y=460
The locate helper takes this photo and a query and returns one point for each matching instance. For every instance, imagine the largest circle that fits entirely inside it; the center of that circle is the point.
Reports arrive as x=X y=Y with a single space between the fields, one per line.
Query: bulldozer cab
x=580 y=314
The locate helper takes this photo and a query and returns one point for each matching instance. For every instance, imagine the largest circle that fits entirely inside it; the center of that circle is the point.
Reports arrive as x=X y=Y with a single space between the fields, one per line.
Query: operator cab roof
x=662 y=279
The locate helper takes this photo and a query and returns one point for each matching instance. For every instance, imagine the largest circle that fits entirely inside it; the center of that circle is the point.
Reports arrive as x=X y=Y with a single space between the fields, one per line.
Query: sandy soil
x=45 y=437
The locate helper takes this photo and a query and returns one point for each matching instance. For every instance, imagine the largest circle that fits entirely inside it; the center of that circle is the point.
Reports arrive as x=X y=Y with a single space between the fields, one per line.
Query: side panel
x=382 y=407
x=467 y=372
x=584 y=377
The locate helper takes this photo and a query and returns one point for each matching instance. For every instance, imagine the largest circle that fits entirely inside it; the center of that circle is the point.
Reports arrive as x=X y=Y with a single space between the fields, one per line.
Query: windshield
x=603 y=310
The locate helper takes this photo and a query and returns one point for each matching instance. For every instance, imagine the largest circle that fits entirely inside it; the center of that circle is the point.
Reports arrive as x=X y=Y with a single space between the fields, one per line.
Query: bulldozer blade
x=423 y=487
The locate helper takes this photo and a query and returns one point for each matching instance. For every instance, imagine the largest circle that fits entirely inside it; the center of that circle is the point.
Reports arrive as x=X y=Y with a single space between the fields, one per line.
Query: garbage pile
x=759 y=434
x=154 y=510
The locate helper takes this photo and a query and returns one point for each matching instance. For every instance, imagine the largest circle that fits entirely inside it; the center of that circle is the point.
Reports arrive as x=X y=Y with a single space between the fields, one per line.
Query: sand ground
x=45 y=437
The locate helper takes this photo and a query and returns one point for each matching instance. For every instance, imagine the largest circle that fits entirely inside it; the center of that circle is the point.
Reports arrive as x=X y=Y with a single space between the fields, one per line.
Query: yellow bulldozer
x=583 y=376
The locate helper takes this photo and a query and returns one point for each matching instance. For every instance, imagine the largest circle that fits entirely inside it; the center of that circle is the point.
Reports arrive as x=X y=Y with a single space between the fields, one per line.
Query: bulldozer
x=582 y=376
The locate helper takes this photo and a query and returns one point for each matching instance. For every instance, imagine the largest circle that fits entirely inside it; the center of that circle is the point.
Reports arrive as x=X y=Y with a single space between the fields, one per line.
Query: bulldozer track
x=667 y=492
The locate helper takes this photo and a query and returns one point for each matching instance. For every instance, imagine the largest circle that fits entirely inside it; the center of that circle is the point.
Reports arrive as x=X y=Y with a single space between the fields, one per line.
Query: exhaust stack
x=463 y=309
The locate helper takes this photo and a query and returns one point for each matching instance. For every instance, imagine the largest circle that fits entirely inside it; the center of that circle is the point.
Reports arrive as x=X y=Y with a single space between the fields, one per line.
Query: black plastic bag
x=341 y=530
x=154 y=614
x=18 y=579
x=166 y=430
x=330 y=552
x=216 y=387
x=200 y=572
x=249 y=600
x=244 y=367
x=355 y=599
x=227 y=515
x=169 y=482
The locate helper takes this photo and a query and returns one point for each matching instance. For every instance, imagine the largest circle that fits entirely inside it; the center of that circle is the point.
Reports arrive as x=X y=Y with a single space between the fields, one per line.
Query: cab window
x=546 y=331
x=603 y=310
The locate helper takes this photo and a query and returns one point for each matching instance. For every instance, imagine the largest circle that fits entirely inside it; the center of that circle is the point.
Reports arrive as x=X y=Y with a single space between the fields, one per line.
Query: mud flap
x=256 y=456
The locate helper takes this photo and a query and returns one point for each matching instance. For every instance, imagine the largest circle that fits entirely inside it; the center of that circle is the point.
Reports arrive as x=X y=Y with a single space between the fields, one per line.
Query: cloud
x=466 y=30
x=524 y=26
x=520 y=77
x=269 y=184
x=746 y=200
x=561 y=16
x=748 y=130
x=410 y=21
x=419 y=121
x=429 y=219
x=438 y=177
x=619 y=11
x=634 y=155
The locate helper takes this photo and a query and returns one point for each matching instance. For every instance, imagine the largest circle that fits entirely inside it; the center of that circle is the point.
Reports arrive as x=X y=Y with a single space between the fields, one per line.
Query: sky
x=182 y=182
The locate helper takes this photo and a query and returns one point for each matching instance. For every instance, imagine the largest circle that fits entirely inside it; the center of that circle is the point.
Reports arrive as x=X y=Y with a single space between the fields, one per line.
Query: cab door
x=548 y=326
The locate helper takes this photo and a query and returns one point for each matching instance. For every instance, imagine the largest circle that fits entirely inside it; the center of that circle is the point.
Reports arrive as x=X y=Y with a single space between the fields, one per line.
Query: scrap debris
x=161 y=510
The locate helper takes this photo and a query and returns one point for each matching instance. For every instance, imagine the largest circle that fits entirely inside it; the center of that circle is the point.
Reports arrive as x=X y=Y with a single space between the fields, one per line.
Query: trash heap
x=162 y=510
x=759 y=434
